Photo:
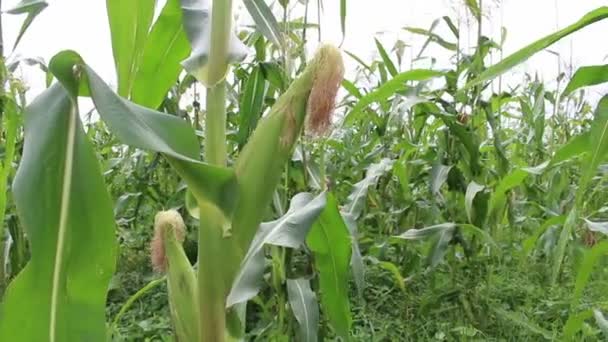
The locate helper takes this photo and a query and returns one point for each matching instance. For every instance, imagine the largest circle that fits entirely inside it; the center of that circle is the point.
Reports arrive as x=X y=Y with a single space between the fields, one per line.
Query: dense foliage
x=436 y=206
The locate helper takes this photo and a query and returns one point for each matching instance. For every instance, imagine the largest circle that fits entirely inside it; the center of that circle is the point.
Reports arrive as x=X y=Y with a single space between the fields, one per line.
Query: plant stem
x=215 y=270
x=215 y=125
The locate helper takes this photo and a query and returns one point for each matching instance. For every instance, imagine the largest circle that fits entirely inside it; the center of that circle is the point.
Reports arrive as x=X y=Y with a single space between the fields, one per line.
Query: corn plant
x=66 y=279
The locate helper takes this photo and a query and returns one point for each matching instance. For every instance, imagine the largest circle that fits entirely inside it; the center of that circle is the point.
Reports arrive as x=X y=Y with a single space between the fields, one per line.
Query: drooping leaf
x=528 y=51
x=287 y=231
x=129 y=25
x=472 y=190
x=145 y=128
x=439 y=175
x=165 y=47
x=424 y=233
x=67 y=215
x=600 y=227
x=574 y=147
x=264 y=20
x=32 y=8
x=440 y=246
x=587 y=76
x=356 y=199
x=388 y=89
x=329 y=242
x=196 y=16
x=305 y=308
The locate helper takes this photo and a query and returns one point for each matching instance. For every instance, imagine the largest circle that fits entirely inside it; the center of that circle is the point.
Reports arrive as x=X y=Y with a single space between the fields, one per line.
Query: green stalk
x=216 y=267
x=215 y=125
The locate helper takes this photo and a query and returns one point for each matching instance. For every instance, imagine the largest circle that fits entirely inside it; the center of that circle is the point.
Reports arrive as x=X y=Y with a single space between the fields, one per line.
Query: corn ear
x=168 y=256
x=260 y=164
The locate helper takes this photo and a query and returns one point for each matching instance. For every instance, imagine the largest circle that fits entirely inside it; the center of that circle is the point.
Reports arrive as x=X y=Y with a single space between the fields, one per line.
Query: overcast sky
x=82 y=25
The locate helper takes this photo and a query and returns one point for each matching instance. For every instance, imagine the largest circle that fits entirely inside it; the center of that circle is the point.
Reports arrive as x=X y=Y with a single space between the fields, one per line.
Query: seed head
x=165 y=222
x=327 y=79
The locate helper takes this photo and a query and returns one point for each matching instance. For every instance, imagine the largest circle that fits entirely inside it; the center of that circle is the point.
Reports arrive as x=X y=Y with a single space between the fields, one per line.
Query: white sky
x=82 y=25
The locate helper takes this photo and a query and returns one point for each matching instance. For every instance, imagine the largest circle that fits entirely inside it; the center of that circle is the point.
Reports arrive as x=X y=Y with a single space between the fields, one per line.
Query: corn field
x=245 y=181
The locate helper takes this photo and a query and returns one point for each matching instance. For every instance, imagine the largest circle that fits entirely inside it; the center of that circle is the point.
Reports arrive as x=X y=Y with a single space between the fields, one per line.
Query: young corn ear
x=168 y=256
x=261 y=162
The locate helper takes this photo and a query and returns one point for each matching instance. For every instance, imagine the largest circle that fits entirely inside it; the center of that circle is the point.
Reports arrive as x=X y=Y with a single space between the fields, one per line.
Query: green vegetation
x=428 y=208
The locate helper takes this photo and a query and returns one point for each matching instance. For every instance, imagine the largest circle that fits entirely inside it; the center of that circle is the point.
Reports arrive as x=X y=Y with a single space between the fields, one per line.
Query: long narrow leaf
x=388 y=89
x=305 y=308
x=67 y=215
x=329 y=241
x=528 y=51
x=33 y=8
x=129 y=25
x=264 y=20
x=587 y=76
x=165 y=47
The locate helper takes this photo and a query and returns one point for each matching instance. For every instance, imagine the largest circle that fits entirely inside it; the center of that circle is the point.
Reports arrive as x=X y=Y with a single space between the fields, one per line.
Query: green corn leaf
x=165 y=47
x=264 y=20
x=386 y=59
x=343 y=18
x=129 y=25
x=473 y=6
x=499 y=196
x=434 y=37
x=305 y=308
x=472 y=190
x=289 y=231
x=598 y=143
x=145 y=128
x=252 y=102
x=530 y=242
x=574 y=324
x=196 y=16
x=67 y=215
x=585 y=269
x=329 y=241
x=439 y=175
x=356 y=259
x=356 y=199
x=424 y=233
x=32 y=8
x=574 y=147
x=587 y=76
x=388 y=89
x=528 y=51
